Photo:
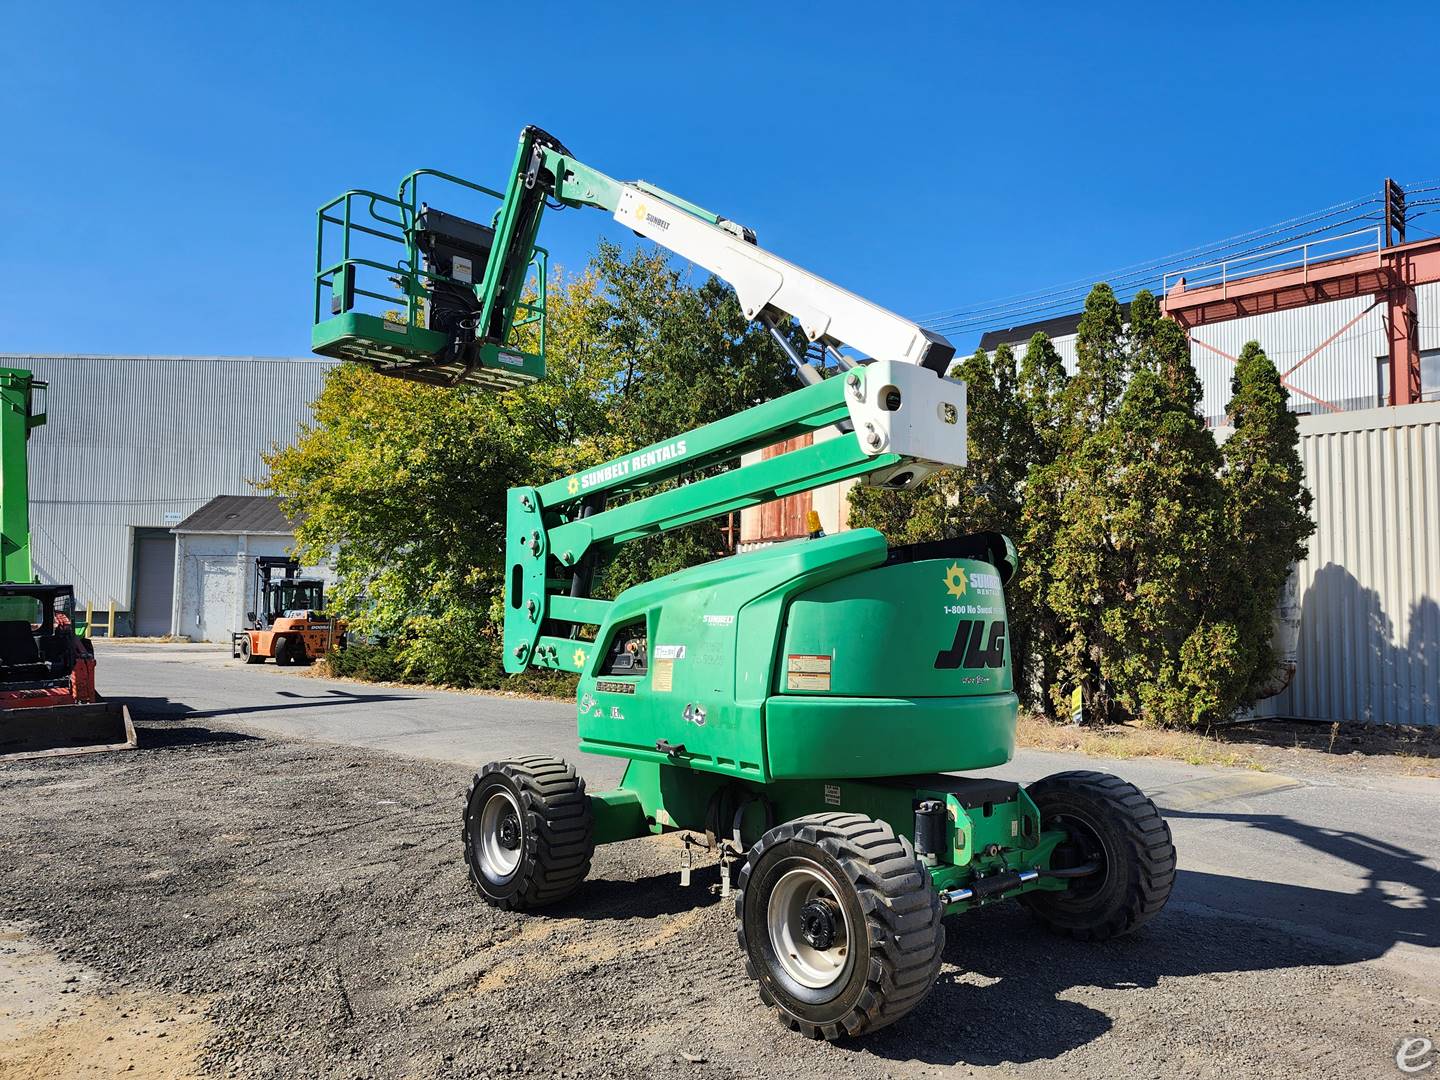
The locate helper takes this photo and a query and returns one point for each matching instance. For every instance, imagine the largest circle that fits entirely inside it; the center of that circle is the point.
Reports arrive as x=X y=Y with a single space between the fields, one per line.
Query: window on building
x=1430 y=375
x=1382 y=380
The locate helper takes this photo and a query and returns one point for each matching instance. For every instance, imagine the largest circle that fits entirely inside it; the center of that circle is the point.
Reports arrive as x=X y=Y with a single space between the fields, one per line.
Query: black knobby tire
x=246 y=654
x=1112 y=822
x=550 y=824
x=890 y=915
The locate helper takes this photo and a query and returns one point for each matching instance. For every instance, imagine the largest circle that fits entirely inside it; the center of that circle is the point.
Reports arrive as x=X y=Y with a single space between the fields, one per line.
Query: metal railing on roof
x=1301 y=256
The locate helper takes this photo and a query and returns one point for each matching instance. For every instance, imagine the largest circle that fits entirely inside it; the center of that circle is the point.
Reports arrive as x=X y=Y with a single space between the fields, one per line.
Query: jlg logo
x=967 y=650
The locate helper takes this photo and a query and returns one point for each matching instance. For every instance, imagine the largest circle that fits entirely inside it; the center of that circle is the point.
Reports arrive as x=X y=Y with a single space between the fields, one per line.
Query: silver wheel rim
x=812 y=968
x=497 y=861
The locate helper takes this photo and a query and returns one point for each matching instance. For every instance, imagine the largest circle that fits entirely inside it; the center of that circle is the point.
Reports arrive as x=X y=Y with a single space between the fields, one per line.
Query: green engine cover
x=812 y=659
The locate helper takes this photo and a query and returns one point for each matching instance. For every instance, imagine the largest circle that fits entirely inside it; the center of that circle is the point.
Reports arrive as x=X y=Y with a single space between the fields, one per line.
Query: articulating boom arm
x=904 y=418
x=766 y=285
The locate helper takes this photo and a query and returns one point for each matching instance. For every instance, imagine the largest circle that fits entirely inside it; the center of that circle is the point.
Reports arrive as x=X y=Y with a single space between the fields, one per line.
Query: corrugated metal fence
x=1369 y=646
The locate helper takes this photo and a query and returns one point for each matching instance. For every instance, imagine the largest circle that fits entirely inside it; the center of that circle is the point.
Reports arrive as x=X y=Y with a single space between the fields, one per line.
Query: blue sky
x=163 y=162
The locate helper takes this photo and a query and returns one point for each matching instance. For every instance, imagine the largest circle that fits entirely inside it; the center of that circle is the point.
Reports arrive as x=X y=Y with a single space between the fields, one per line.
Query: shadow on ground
x=645 y=898
x=1214 y=924
x=156 y=736
x=164 y=708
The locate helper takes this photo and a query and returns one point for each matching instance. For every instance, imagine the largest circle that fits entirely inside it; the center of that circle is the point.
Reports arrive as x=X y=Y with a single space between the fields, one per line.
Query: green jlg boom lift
x=800 y=710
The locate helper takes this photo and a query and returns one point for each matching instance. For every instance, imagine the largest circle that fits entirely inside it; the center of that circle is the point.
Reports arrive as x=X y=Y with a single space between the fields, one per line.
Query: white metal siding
x=1345 y=373
x=130 y=439
x=1370 y=587
x=1427 y=302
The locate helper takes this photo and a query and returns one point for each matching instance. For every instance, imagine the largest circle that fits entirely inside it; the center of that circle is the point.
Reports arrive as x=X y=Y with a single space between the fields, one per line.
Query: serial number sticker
x=832 y=794
x=807 y=680
x=669 y=652
x=606 y=686
x=809 y=663
x=664 y=675
x=460 y=269
x=511 y=359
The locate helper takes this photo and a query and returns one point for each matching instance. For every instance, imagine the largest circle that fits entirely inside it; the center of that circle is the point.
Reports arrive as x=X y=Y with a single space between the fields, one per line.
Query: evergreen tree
x=1036 y=632
x=1139 y=505
x=1103 y=362
x=1267 y=510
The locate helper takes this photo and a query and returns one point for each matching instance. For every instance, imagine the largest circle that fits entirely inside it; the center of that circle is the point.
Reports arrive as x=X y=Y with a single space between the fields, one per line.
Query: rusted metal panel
x=782 y=519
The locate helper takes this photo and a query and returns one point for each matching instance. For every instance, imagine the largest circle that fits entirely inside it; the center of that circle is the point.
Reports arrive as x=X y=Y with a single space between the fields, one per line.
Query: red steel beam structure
x=1389 y=274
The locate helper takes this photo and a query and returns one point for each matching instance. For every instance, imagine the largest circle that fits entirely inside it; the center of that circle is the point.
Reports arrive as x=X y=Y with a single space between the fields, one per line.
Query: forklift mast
x=279 y=588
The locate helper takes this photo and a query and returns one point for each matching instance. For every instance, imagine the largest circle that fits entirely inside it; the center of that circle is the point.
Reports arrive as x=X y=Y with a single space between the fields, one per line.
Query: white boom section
x=905 y=410
x=765 y=281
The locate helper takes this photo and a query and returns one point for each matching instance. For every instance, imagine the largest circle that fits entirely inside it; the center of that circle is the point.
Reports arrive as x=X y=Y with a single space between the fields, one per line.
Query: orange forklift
x=291 y=624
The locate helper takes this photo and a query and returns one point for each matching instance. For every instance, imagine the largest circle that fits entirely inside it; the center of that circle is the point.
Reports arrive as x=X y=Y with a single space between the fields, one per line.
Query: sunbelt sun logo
x=955 y=583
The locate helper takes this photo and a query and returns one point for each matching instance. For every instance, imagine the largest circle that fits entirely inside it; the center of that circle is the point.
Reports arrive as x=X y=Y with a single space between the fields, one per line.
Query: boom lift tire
x=245 y=653
x=529 y=832
x=839 y=924
x=1112 y=822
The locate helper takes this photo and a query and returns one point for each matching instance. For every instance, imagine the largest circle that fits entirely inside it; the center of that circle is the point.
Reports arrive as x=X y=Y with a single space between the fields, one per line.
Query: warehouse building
x=133 y=446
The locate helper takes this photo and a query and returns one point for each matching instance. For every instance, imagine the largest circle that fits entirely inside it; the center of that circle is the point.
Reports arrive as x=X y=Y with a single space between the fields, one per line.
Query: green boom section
x=18 y=417
x=552 y=531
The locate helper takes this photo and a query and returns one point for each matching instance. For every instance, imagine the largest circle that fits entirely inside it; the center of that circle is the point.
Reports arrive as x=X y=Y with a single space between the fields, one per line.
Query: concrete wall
x=215 y=582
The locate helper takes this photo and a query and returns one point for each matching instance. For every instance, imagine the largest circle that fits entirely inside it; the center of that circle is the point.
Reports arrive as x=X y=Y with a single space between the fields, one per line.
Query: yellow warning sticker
x=664 y=675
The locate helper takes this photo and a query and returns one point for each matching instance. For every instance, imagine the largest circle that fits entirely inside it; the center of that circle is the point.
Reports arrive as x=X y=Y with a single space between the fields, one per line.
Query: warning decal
x=807 y=671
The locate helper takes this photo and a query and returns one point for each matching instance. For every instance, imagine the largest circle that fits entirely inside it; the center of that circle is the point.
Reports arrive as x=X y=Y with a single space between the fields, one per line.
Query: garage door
x=154 y=581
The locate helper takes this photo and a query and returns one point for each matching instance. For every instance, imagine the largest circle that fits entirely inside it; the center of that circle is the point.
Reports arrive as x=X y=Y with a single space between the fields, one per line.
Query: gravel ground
x=287 y=909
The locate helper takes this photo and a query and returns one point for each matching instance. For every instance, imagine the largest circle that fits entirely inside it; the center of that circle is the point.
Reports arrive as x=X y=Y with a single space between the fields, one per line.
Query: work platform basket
x=402 y=287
